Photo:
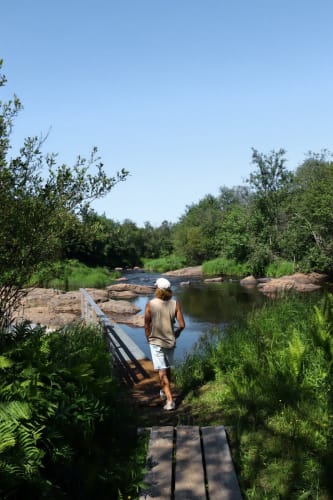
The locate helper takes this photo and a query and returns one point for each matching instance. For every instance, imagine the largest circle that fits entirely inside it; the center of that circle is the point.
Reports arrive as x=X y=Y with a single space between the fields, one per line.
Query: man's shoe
x=162 y=395
x=169 y=406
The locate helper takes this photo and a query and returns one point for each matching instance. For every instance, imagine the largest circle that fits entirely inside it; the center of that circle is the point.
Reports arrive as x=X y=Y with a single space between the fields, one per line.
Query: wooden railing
x=125 y=353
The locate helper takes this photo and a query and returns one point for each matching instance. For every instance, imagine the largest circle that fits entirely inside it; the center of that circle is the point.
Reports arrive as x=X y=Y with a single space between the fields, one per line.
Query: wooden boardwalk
x=189 y=463
x=183 y=462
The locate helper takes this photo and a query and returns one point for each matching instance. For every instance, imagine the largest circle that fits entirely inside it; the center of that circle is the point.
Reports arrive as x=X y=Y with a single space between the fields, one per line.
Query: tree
x=39 y=202
x=157 y=241
x=309 y=233
x=194 y=237
x=270 y=184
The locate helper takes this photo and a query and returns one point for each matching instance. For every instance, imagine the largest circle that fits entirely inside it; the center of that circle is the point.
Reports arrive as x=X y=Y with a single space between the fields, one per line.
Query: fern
x=7 y=433
x=323 y=330
x=27 y=437
x=5 y=362
x=295 y=353
x=15 y=410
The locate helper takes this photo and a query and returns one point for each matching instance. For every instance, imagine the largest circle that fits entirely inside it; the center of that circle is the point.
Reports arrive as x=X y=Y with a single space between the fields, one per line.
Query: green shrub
x=164 y=264
x=223 y=266
x=67 y=430
x=280 y=268
x=72 y=275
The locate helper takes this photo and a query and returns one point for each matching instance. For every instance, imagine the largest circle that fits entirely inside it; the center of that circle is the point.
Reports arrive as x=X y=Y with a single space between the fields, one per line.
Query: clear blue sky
x=175 y=91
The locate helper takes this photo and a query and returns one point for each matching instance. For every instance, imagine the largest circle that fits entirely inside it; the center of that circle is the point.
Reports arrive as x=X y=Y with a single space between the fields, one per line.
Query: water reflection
x=218 y=302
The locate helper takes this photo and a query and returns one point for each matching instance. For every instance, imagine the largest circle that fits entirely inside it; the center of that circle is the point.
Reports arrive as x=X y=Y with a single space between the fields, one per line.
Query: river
x=205 y=306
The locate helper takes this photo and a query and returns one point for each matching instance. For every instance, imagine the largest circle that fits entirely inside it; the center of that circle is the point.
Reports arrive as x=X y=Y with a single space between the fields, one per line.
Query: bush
x=223 y=266
x=66 y=427
x=280 y=268
x=164 y=264
x=72 y=275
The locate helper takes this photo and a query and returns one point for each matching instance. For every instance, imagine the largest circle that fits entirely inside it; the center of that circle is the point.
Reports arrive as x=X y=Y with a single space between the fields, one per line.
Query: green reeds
x=72 y=275
x=226 y=267
x=273 y=384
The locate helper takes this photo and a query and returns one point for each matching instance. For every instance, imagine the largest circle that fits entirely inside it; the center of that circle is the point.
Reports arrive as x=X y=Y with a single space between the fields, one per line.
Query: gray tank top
x=163 y=313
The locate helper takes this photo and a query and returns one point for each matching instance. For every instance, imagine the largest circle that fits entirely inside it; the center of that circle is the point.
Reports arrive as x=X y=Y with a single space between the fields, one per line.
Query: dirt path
x=146 y=399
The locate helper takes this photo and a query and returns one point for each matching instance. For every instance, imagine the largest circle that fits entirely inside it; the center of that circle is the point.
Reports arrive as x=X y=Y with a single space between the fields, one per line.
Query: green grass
x=72 y=275
x=226 y=267
x=268 y=379
x=164 y=264
x=280 y=268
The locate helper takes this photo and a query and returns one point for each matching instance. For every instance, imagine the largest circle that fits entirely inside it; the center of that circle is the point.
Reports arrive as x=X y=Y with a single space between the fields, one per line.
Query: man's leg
x=164 y=375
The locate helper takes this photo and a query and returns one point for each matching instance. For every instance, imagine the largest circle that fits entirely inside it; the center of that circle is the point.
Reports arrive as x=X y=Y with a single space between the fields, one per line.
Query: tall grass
x=72 y=275
x=274 y=374
x=280 y=268
x=164 y=264
x=227 y=267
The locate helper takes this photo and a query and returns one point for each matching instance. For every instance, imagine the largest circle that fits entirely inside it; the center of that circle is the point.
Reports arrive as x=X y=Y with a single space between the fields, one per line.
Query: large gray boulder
x=299 y=282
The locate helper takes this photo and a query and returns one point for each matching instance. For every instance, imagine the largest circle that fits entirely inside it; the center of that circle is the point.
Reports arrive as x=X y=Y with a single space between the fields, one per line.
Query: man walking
x=161 y=314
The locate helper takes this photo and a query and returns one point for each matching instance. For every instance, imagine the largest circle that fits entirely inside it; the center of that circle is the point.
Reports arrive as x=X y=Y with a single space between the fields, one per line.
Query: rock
x=98 y=295
x=55 y=309
x=249 y=280
x=186 y=271
x=135 y=321
x=43 y=316
x=69 y=302
x=39 y=296
x=213 y=280
x=120 y=307
x=125 y=287
x=184 y=283
x=126 y=294
x=298 y=281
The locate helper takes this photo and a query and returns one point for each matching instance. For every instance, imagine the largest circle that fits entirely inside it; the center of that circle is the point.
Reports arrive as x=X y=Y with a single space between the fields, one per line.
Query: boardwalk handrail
x=124 y=350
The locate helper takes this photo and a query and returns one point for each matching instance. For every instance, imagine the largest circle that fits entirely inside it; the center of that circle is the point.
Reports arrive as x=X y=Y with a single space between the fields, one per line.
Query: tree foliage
x=195 y=236
x=310 y=213
x=40 y=202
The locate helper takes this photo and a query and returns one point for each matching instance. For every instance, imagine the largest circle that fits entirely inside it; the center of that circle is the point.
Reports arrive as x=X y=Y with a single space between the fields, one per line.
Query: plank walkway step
x=189 y=463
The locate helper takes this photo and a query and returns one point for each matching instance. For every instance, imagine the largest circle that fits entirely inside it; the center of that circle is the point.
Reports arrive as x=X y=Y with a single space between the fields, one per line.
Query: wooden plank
x=220 y=472
x=159 y=464
x=189 y=472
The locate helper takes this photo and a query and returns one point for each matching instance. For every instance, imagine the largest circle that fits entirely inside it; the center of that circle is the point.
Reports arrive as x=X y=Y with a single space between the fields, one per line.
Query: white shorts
x=161 y=356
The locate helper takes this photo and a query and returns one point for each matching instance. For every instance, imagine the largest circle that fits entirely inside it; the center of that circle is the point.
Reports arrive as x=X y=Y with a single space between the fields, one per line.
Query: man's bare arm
x=180 y=320
x=147 y=321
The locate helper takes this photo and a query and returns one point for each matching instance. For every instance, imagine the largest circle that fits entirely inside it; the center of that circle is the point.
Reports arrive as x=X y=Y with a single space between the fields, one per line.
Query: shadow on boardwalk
x=145 y=397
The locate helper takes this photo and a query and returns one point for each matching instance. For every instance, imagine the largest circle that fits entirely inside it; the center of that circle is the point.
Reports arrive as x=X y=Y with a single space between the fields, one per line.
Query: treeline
x=277 y=216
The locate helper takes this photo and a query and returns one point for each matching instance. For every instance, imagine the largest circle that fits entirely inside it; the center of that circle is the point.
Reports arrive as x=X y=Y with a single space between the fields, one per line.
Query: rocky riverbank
x=53 y=308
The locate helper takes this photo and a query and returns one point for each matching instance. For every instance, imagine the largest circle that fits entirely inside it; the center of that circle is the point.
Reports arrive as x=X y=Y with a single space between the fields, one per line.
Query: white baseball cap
x=163 y=284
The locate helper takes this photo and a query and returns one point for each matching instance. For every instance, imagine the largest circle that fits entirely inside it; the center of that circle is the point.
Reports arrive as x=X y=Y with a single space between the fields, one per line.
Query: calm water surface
x=205 y=306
